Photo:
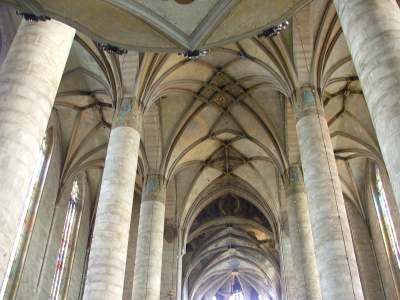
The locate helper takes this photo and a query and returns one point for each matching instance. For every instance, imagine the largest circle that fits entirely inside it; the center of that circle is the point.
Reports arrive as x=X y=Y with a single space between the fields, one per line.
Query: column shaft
x=372 y=30
x=301 y=239
x=149 y=252
x=29 y=80
x=288 y=280
x=108 y=252
x=334 y=251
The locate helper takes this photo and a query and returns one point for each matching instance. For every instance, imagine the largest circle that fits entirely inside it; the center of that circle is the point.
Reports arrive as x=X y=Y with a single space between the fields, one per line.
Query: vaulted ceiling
x=231 y=248
x=155 y=25
x=220 y=127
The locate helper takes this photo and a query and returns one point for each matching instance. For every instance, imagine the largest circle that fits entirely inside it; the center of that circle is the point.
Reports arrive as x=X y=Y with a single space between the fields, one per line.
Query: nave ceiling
x=221 y=127
x=154 y=25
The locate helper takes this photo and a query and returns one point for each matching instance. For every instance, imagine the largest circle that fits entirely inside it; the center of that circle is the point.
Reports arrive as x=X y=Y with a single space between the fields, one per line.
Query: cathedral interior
x=199 y=149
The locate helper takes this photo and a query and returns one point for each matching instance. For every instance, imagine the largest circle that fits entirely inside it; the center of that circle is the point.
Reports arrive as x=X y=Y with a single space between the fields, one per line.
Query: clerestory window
x=67 y=234
x=236 y=296
x=28 y=218
x=385 y=219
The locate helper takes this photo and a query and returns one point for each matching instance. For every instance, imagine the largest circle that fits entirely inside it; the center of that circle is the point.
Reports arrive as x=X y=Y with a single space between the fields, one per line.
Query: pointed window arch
x=385 y=219
x=236 y=296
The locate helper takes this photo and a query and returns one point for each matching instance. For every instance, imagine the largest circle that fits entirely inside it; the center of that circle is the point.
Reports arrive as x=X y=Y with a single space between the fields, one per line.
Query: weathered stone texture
x=366 y=260
x=372 y=30
x=132 y=243
x=106 y=267
x=334 y=249
x=8 y=28
x=288 y=279
x=388 y=281
x=149 y=251
x=37 y=246
x=29 y=79
x=302 y=243
x=169 y=269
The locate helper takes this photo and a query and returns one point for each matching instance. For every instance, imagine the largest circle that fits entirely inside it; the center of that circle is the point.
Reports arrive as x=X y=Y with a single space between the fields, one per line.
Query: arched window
x=385 y=219
x=25 y=229
x=67 y=234
x=236 y=296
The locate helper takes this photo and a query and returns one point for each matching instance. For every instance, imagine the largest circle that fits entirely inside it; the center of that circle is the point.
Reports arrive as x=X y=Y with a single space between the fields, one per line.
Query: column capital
x=295 y=183
x=127 y=115
x=155 y=188
x=32 y=18
x=307 y=103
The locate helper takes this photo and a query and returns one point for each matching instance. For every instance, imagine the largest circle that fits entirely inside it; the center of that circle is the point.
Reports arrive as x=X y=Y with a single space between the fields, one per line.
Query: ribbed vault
x=352 y=133
x=220 y=129
x=155 y=25
x=230 y=248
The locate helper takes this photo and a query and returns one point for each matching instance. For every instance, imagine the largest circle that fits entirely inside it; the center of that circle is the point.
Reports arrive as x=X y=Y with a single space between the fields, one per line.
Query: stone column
x=372 y=31
x=108 y=251
x=149 y=251
x=288 y=286
x=29 y=80
x=301 y=239
x=334 y=251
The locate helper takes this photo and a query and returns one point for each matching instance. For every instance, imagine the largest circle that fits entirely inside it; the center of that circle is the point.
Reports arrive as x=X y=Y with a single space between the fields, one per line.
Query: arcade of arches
x=261 y=164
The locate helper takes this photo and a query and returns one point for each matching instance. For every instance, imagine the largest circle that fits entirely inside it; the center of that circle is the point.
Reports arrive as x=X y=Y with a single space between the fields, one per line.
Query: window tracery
x=67 y=233
x=236 y=296
x=385 y=217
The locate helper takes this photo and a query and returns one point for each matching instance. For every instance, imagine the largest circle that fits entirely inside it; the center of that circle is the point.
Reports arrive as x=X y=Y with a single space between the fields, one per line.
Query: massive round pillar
x=108 y=252
x=29 y=80
x=301 y=239
x=148 y=261
x=334 y=251
x=372 y=30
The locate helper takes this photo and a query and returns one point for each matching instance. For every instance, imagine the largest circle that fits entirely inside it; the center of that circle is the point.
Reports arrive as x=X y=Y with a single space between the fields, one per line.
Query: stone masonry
x=29 y=80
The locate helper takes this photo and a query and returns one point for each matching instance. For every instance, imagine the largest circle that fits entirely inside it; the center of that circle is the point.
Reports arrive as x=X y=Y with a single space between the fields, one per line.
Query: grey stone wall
x=75 y=258
x=39 y=269
x=366 y=261
x=379 y=246
x=36 y=250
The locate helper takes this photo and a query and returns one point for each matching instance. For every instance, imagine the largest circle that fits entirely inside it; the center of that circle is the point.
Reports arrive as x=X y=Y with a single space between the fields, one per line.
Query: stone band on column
x=29 y=80
x=334 y=250
x=305 y=267
x=148 y=261
x=108 y=252
x=372 y=31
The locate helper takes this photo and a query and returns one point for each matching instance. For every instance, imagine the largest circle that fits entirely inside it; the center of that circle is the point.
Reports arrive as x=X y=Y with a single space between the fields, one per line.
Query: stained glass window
x=236 y=296
x=69 y=226
x=382 y=208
